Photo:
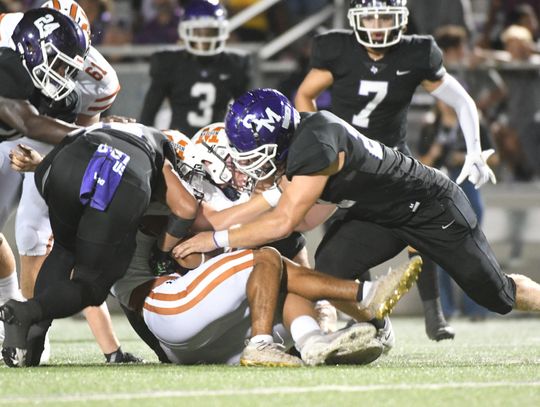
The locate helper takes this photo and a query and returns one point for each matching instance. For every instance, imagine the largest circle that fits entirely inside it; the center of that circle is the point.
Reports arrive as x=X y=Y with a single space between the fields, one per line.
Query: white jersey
x=97 y=84
x=217 y=199
x=8 y=22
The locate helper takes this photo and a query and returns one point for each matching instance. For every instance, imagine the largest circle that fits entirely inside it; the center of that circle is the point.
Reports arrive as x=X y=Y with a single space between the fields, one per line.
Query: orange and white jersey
x=97 y=84
x=8 y=22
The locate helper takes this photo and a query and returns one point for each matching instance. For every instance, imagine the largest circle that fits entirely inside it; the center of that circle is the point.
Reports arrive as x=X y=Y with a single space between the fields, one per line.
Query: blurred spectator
x=517 y=128
x=262 y=27
x=300 y=9
x=503 y=13
x=163 y=28
x=99 y=15
x=427 y=15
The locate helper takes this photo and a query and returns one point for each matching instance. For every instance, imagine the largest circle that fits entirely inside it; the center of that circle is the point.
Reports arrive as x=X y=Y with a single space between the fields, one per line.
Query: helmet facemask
x=378 y=27
x=204 y=36
x=54 y=77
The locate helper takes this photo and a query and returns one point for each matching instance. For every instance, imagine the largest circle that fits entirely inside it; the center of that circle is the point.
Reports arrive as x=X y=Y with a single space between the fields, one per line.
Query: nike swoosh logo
x=447 y=226
x=400 y=73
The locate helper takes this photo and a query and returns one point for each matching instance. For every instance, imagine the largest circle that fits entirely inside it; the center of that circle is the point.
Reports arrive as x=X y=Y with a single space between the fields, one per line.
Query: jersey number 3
x=207 y=93
x=380 y=89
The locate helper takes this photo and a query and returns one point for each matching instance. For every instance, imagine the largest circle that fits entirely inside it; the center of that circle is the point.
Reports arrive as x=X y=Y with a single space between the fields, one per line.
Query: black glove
x=161 y=263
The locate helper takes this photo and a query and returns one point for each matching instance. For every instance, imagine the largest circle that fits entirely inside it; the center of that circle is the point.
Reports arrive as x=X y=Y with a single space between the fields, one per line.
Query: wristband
x=221 y=238
x=272 y=196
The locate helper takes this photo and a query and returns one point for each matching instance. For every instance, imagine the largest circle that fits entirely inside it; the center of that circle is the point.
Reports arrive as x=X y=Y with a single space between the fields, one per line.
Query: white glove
x=475 y=168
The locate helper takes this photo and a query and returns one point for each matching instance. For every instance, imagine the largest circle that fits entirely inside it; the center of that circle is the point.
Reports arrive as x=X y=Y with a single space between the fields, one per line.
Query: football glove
x=476 y=170
x=161 y=263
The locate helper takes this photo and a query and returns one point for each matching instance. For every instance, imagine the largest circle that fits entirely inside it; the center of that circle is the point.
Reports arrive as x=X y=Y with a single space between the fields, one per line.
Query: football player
x=201 y=313
x=96 y=87
x=374 y=71
x=97 y=183
x=200 y=79
x=392 y=199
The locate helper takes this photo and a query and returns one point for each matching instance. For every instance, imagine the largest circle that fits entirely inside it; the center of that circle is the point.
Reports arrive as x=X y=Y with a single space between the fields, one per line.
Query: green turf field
x=493 y=363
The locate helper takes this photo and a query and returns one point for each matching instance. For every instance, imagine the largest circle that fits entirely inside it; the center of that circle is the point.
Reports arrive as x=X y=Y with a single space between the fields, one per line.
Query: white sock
x=302 y=326
x=366 y=286
x=258 y=339
x=9 y=288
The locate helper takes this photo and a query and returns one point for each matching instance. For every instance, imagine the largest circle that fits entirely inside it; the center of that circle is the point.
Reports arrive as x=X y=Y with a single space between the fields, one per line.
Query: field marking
x=261 y=391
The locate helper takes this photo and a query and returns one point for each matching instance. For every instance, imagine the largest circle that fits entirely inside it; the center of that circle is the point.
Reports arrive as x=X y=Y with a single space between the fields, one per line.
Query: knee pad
x=32 y=242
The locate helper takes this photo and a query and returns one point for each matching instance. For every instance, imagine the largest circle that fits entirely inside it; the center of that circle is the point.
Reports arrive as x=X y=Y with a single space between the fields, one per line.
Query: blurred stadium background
x=277 y=34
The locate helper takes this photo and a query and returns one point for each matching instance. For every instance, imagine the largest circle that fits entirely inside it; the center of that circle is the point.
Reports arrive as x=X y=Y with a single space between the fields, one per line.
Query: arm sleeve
x=453 y=94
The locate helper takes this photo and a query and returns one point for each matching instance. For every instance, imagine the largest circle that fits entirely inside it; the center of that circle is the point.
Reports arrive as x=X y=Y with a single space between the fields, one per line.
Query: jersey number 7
x=366 y=87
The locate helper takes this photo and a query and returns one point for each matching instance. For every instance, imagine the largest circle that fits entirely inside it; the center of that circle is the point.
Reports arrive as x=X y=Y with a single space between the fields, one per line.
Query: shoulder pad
x=15 y=82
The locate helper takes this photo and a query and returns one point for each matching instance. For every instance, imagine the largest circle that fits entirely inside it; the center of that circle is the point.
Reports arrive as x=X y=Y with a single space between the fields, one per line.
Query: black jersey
x=198 y=88
x=15 y=83
x=377 y=182
x=374 y=96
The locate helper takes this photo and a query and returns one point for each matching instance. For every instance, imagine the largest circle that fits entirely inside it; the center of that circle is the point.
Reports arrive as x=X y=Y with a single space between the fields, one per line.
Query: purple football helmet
x=378 y=23
x=260 y=125
x=204 y=27
x=52 y=49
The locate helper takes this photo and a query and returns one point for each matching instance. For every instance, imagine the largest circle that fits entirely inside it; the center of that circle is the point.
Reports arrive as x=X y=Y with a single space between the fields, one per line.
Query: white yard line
x=262 y=391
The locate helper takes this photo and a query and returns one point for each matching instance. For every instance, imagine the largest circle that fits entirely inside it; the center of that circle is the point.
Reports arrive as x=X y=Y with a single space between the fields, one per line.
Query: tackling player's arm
x=211 y=219
x=22 y=116
x=296 y=201
x=315 y=83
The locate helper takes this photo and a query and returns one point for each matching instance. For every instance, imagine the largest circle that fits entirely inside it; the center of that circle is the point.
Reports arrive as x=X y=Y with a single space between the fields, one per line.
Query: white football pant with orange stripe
x=203 y=317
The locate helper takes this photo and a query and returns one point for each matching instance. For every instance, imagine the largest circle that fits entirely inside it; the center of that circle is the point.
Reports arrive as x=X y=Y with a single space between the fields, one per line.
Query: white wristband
x=272 y=196
x=221 y=238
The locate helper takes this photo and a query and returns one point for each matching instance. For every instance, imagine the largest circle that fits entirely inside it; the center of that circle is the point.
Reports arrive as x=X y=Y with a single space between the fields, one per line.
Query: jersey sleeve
x=435 y=69
x=325 y=51
x=15 y=82
x=313 y=149
x=97 y=85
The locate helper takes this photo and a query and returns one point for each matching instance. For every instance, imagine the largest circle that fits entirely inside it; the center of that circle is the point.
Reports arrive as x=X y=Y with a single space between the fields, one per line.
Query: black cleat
x=17 y=323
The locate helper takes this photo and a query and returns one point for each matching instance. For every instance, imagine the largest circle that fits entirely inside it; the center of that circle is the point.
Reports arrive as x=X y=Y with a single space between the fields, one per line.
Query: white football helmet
x=378 y=23
x=73 y=10
x=204 y=27
x=212 y=149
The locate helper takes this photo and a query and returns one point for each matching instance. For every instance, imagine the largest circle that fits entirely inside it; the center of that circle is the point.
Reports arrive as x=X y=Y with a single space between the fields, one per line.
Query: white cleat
x=268 y=355
x=353 y=345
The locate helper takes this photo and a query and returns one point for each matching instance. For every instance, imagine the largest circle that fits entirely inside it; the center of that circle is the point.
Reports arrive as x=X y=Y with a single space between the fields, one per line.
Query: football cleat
x=268 y=355
x=437 y=329
x=352 y=345
x=16 y=325
x=388 y=289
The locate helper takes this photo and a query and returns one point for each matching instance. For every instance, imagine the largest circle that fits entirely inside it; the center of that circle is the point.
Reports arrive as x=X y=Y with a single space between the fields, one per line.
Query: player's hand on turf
x=202 y=242
x=476 y=169
x=24 y=158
